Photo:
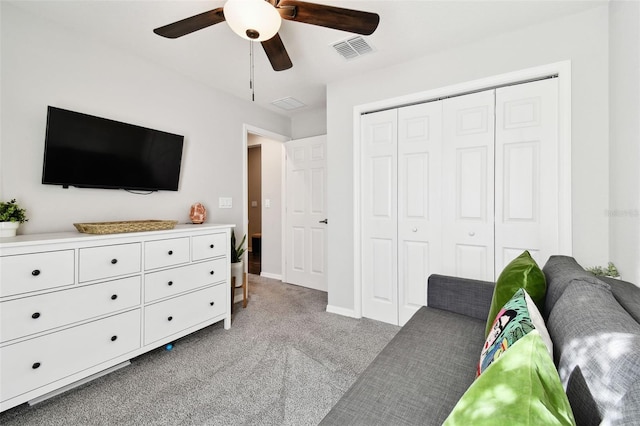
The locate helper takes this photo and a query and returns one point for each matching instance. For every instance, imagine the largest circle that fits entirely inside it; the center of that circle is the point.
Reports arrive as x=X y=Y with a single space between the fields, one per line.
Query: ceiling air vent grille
x=352 y=48
x=288 y=103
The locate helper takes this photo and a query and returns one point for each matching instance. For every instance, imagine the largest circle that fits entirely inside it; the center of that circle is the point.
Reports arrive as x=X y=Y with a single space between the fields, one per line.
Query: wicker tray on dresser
x=103 y=228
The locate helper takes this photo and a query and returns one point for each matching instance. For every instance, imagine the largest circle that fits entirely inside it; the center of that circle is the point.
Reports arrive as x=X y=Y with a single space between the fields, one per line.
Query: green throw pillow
x=522 y=272
x=521 y=388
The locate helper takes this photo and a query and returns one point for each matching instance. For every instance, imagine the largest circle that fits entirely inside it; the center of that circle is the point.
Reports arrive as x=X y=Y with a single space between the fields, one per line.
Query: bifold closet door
x=401 y=225
x=527 y=208
x=468 y=186
x=379 y=216
x=419 y=221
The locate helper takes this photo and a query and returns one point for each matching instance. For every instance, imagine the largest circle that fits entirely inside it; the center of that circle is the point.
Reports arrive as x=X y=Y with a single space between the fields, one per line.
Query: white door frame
x=246 y=129
x=561 y=69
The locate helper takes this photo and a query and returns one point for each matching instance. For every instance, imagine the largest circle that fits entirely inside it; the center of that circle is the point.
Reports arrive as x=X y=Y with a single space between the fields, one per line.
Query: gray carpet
x=285 y=361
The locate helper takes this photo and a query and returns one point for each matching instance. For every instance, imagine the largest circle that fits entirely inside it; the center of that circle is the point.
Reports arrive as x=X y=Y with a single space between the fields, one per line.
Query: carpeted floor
x=285 y=361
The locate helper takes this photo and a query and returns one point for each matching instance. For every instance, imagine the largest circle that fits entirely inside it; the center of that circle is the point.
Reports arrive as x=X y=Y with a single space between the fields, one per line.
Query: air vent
x=288 y=103
x=353 y=48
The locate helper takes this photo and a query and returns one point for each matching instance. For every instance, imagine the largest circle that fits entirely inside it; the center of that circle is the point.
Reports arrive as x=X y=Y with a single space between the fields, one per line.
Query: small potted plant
x=609 y=271
x=237 y=267
x=11 y=216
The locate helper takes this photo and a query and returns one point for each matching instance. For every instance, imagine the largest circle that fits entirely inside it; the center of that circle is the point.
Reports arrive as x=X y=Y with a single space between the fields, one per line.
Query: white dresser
x=73 y=306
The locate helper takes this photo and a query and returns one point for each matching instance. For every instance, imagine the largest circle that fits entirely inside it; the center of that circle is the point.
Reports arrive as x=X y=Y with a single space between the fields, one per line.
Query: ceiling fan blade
x=353 y=21
x=189 y=25
x=277 y=54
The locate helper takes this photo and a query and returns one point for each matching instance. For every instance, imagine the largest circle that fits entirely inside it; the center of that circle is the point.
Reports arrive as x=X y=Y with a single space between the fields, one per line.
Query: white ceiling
x=218 y=58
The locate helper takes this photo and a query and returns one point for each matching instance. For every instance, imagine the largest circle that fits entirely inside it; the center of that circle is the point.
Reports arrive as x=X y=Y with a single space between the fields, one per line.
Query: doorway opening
x=254 y=207
x=268 y=203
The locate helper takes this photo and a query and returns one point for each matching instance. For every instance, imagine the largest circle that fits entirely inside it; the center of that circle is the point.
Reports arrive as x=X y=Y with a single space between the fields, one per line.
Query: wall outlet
x=225 y=202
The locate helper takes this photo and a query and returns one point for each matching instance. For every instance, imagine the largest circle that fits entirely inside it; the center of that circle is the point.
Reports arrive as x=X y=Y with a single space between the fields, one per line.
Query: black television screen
x=86 y=151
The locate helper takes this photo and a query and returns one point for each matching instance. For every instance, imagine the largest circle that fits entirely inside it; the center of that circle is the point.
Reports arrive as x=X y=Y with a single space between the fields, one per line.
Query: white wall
x=309 y=123
x=272 y=167
x=581 y=38
x=624 y=133
x=43 y=64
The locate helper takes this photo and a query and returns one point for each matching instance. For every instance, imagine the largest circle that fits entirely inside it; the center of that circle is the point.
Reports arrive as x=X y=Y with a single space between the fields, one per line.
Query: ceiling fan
x=259 y=20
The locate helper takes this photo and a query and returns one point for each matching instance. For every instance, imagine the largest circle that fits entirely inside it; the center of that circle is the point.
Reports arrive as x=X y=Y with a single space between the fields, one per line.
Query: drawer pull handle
x=212 y=272
x=212 y=303
x=212 y=246
x=114 y=297
x=170 y=318
x=36 y=315
x=170 y=283
x=114 y=261
x=170 y=252
x=35 y=272
x=35 y=365
x=114 y=338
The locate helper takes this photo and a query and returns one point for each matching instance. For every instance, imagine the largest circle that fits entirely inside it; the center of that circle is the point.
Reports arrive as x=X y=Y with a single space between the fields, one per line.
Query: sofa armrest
x=460 y=295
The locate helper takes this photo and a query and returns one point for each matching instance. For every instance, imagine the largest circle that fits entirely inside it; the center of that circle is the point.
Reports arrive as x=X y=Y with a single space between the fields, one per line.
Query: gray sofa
x=421 y=374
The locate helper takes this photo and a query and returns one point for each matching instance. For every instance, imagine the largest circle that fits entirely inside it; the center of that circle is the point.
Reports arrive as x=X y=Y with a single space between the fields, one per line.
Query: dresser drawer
x=158 y=254
x=109 y=261
x=208 y=246
x=174 y=315
x=158 y=285
x=29 y=315
x=33 y=363
x=38 y=271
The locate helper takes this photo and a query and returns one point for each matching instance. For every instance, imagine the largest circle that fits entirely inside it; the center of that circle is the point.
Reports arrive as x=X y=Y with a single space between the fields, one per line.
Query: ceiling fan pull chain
x=251 y=74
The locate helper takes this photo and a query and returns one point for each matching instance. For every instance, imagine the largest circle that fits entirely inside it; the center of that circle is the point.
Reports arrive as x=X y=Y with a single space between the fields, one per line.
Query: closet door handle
x=325 y=221
x=35 y=272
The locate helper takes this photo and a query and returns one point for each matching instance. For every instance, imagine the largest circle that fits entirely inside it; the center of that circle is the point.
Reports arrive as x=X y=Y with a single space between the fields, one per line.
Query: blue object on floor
x=169 y=346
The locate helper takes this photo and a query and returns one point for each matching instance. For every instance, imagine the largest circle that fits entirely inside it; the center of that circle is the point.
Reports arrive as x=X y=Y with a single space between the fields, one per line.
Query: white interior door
x=306 y=216
x=468 y=186
x=419 y=219
x=527 y=213
x=379 y=218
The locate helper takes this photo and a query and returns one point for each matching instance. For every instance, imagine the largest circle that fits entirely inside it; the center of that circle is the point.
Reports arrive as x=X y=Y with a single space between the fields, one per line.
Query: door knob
x=415 y=229
x=471 y=234
x=324 y=221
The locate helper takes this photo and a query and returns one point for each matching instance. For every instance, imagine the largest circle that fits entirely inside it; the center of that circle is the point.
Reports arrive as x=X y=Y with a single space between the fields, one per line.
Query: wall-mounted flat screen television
x=91 y=152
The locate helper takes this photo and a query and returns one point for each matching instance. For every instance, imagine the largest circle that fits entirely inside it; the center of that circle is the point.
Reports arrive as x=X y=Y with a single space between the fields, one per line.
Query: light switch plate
x=267 y=203
x=225 y=202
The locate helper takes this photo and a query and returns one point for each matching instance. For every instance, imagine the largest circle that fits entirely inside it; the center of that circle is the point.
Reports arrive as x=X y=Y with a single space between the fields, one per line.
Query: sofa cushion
x=418 y=377
x=517 y=317
x=521 y=272
x=592 y=332
x=627 y=294
x=559 y=272
x=520 y=388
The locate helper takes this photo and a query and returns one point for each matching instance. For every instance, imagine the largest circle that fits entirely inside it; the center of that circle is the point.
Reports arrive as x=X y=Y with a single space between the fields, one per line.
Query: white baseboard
x=342 y=311
x=270 y=275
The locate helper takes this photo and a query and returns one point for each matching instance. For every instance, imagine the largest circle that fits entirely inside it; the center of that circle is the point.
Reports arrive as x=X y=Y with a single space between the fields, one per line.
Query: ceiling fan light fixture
x=255 y=20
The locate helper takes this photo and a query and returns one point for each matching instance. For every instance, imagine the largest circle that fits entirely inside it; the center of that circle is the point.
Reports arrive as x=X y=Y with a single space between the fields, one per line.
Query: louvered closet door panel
x=526 y=171
x=468 y=185
x=419 y=227
x=379 y=216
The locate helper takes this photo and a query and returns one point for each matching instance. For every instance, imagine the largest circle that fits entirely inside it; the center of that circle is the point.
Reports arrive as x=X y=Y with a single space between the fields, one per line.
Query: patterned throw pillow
x=515 y=319
x=511 y=324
